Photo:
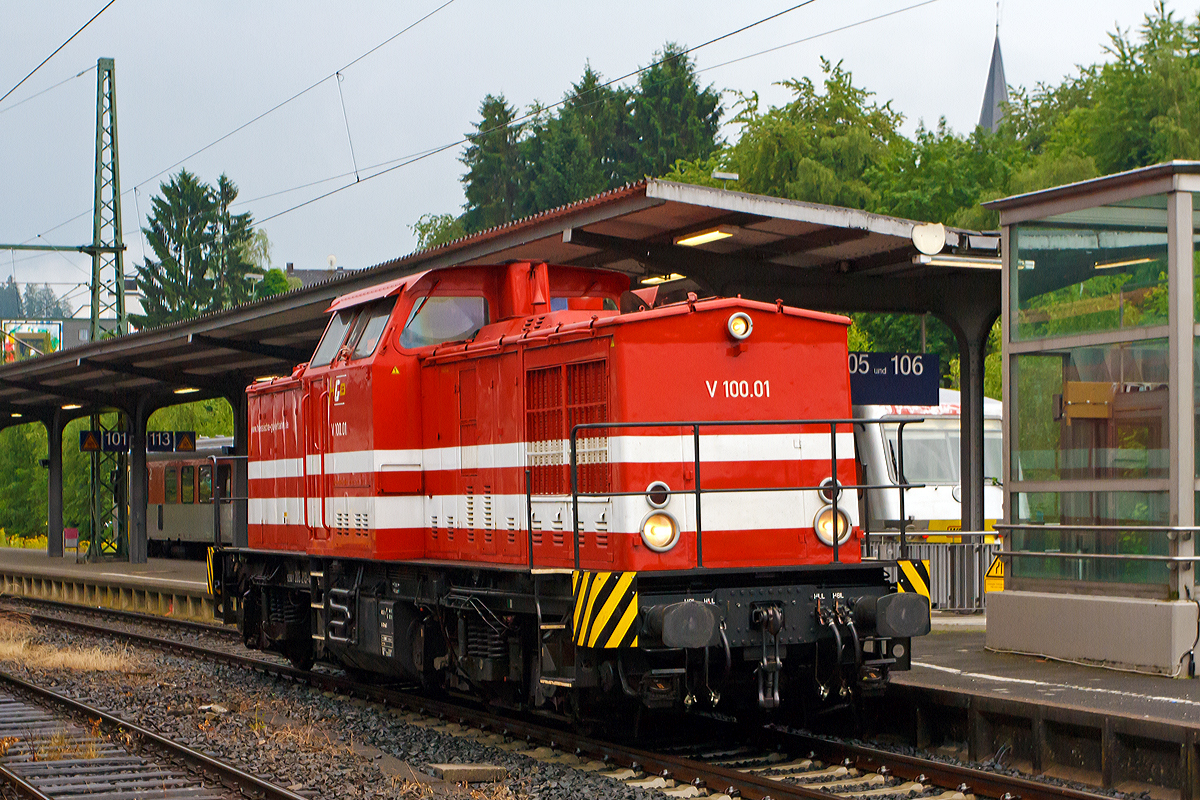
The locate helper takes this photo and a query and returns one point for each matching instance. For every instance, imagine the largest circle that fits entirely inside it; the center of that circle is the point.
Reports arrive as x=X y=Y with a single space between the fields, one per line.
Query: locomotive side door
x=316 y=444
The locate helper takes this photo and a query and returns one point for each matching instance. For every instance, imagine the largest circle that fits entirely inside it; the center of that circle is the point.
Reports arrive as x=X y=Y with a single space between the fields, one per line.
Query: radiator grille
x=558 y=398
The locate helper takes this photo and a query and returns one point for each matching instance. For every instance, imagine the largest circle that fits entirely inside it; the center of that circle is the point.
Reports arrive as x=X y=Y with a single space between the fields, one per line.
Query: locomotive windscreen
x=435 y=320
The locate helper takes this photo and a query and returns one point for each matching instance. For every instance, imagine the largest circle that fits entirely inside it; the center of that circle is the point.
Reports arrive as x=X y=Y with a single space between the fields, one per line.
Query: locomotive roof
x=597 y=322
x=371 y=293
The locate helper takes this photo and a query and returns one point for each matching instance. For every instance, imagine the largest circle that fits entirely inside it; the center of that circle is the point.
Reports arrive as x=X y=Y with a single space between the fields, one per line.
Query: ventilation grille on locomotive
x=557 y=398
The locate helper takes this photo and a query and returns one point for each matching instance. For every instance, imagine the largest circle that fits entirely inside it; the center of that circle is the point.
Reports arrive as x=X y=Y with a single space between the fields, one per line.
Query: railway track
x=773 y=762
x=46 y=754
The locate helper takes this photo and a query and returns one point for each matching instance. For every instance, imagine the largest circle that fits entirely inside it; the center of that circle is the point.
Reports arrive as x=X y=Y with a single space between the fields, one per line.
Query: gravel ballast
x=318 y=744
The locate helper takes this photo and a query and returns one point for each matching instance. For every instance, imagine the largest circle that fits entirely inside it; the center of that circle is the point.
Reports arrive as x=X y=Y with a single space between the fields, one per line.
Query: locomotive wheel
x=249 y=622
x=301 y=656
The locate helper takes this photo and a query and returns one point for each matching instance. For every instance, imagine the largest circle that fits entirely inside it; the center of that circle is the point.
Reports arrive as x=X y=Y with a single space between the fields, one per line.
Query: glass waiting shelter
x=1101 y=347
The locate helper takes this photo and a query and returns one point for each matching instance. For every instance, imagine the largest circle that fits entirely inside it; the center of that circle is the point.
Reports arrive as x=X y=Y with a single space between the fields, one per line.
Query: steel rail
x=979 y=781
x=133 y=616
x=230 y=776
x=716 y=778
x=22 y=786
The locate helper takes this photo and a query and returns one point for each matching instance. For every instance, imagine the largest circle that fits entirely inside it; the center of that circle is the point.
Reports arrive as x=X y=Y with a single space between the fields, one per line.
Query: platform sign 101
x=894 y=379
x=104 y=441
x=170 y=441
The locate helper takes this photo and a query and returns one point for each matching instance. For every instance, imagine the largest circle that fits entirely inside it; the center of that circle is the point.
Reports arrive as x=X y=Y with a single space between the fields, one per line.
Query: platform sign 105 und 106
x=894 y=379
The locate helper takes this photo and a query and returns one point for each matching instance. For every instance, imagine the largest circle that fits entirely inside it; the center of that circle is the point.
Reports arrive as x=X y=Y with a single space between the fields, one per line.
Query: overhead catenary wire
x=346 y=118
x=421 y=155
x=60 y=47
x=386 y=167
x=541 y=109
x=822 y=34
x=297 y=95
x=250 y=122
x=392 y=165
x=405 y=161
x=51 y=88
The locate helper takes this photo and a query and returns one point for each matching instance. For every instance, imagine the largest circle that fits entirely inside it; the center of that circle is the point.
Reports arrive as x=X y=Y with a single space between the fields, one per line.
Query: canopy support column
x=139 y=481
x=54 y=495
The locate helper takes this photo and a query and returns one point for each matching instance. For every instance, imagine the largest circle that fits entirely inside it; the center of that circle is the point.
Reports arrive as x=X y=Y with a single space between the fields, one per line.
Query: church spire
x=995 y=95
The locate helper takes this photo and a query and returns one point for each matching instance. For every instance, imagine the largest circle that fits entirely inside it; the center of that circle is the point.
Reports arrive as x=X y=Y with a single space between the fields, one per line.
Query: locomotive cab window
x=187 y=484
x=369 y=327
x=205 y=484
x=170 y=485
x=434 y=320
x=335 y=334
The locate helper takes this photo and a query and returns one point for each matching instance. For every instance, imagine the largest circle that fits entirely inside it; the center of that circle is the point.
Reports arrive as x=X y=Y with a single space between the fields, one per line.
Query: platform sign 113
x=894 y=379
x=170 y=441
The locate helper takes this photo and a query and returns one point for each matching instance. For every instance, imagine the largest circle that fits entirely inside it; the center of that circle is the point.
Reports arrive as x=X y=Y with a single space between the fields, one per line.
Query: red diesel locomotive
x=414 y=488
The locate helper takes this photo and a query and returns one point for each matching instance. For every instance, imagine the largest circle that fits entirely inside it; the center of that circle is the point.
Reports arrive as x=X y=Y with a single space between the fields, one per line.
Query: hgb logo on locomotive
x=340 y=390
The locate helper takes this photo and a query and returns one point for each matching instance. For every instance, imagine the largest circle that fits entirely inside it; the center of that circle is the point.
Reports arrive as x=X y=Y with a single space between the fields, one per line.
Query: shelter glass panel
x=1130 y=509
x=1096 y=269
x=1092 y=413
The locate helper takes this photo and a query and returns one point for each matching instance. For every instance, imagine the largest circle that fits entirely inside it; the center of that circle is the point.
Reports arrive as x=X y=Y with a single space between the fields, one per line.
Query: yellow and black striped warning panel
x=212 y=587
x=606 y=609
x=914 y=576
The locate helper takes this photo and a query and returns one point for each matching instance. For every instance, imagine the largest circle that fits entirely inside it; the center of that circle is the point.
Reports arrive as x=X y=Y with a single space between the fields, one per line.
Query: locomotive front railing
x=218 y=499
x=835 y=488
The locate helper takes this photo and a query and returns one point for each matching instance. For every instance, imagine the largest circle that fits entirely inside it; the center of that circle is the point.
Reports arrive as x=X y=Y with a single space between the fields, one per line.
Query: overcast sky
x=188 y=73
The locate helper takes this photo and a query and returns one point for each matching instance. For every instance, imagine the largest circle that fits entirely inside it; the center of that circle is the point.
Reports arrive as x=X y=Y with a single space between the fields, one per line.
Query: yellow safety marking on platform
x=993 y=579
x=606 y=609
x=913 y=576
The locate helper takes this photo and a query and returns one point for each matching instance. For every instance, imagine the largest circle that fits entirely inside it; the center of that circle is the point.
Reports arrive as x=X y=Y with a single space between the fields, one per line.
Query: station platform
x=169 y=587
x=1128 y=731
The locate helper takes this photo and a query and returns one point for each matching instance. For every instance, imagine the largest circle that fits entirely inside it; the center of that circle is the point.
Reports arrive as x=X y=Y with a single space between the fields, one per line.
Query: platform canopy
x=764 y=248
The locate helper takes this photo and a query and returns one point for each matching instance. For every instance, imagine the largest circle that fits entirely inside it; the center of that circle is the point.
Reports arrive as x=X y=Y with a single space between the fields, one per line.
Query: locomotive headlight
x=660 y=532
x=739 y=325
x=825 y=523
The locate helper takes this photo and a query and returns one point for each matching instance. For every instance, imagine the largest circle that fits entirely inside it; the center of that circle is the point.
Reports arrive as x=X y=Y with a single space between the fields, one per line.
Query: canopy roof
x=814 y=256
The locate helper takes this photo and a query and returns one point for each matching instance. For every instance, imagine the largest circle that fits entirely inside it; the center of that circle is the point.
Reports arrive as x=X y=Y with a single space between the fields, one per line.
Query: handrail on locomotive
x=835 y=487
